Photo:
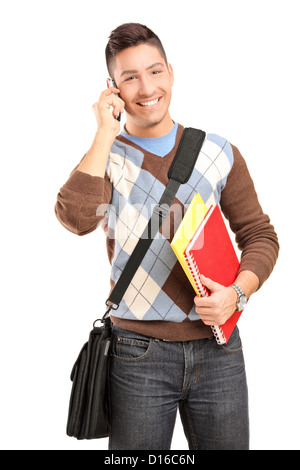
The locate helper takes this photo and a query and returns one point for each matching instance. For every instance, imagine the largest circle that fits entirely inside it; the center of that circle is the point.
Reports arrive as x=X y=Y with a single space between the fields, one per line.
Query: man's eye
x=155 y=72
x=130 y=78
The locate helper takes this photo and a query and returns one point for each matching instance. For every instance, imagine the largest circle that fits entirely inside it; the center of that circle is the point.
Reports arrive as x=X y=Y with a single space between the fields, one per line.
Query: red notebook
x=211 y=253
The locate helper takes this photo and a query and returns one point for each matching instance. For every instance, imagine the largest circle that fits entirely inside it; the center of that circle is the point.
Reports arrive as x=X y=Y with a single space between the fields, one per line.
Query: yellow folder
x=188 y=226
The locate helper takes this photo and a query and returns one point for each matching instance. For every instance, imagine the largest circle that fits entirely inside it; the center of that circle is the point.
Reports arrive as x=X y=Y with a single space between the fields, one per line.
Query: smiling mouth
x=149 y=104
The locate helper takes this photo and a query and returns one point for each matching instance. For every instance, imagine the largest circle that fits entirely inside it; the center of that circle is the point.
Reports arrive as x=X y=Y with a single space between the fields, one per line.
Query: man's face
x=145 y=81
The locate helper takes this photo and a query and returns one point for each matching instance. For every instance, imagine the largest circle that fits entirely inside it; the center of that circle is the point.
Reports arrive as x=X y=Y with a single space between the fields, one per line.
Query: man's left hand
x=219 y=306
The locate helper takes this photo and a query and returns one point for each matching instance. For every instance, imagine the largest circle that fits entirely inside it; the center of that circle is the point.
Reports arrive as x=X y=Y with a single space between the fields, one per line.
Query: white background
x=236 y=75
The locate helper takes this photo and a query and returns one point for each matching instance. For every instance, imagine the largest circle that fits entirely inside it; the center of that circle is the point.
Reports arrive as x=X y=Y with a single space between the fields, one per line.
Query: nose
x=147 y=88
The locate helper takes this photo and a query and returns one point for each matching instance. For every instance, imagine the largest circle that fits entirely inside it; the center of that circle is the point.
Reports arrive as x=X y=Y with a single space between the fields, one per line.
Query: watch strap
x=238 y=290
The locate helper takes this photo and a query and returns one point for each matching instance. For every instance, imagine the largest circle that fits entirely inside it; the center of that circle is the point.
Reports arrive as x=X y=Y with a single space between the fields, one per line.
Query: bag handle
x=179 y=173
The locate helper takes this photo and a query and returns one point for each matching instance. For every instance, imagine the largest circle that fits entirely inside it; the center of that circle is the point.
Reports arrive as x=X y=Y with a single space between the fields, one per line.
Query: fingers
x=112 y=100
x=211 y=319
x=210 y=284
x=108 y=99
x=208 y=310
x=216 y=309
x=118 y=109
x=109 y=91
x=203 y=302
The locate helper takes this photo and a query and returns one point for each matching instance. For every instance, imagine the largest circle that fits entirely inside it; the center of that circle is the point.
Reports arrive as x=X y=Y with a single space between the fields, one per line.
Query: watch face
x=242 y=303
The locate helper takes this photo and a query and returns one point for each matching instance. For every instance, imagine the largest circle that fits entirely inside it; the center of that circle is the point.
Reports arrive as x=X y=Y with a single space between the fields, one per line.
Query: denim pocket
x=131 y=349
x=234 y=344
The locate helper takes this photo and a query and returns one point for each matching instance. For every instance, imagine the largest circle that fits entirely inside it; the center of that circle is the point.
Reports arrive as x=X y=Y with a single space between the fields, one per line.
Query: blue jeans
x=150 y=379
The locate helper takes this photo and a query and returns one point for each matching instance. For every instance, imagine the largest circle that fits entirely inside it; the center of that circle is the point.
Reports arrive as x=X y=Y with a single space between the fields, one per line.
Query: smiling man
x=164 y=355
x=146 y=90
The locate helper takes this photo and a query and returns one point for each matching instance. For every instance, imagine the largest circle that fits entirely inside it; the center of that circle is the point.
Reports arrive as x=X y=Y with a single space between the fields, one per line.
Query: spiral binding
x=203 y=292
x=219 y=334
x=195 y=273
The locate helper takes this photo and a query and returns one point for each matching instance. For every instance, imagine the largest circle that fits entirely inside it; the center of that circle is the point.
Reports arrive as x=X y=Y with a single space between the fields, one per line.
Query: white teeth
x=150 y=103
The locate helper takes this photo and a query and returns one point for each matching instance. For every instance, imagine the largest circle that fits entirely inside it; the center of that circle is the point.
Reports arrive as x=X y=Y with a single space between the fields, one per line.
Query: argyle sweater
x=159 y=302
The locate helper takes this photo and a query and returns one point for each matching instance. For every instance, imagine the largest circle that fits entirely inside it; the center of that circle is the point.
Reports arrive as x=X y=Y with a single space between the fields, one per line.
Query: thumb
x=211 y=285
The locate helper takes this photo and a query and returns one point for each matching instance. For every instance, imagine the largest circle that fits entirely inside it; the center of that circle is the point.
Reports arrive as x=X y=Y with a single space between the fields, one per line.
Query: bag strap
x=179 y=173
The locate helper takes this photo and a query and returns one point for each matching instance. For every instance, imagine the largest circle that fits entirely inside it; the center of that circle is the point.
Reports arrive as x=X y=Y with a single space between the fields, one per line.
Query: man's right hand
x=106 y=119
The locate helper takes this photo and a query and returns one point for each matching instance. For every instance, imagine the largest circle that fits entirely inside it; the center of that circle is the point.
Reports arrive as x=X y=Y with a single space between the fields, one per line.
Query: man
x=164 y=355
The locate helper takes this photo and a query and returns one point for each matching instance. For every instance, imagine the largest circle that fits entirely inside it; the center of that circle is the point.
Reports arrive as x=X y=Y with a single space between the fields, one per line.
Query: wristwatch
x=242 y=299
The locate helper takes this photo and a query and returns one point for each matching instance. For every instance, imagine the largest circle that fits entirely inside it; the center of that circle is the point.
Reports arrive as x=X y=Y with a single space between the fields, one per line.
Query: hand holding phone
x=105 y=116
x=111 y=84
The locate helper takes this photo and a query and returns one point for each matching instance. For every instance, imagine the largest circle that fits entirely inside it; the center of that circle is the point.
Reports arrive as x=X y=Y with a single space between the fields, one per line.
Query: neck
x=152 y=131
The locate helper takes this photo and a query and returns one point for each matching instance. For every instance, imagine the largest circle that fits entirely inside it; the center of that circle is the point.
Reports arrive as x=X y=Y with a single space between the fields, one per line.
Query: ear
x=171 y=72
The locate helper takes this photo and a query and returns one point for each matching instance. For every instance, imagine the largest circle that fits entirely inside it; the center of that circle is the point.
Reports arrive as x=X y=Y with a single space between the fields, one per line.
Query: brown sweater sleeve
x=82 y=202
x=255 y=235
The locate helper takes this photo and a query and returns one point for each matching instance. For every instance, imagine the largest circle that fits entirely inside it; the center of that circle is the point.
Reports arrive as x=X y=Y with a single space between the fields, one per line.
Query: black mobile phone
x=112 y=83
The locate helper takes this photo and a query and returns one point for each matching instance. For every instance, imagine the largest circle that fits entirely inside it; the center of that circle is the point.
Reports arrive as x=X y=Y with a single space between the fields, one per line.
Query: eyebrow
x=128 y=72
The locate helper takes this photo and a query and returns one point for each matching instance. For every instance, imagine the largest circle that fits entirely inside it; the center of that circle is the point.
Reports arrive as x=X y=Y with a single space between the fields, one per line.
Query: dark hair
x=130 y=35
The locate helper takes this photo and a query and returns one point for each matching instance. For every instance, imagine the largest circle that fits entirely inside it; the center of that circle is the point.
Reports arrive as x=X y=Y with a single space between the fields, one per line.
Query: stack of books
x=203 y=245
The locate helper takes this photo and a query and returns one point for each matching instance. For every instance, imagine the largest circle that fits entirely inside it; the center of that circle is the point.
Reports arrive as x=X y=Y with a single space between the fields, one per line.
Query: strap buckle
x=110 y=306
x=161 y=210
x=105 y=316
